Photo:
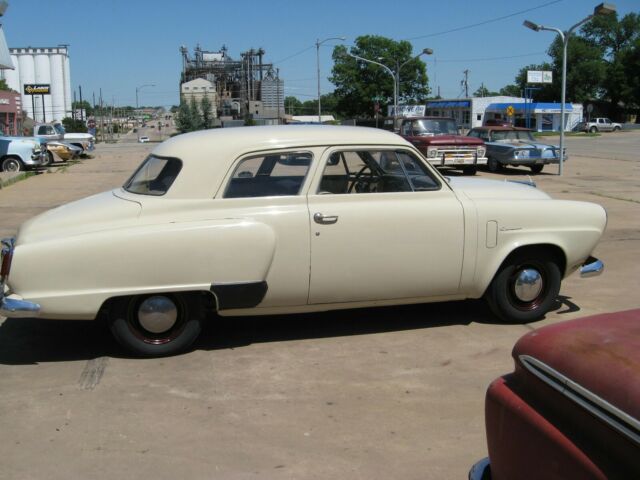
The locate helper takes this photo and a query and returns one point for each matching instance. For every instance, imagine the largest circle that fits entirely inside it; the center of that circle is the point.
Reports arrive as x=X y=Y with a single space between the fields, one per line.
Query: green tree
x=74 y=126
x=3 y=85
x=207 y=115
x=292 y=105
x=357 y=82
x=184 y=118
x=84 y=105
x=617 y=39
x=196 y=116
x=483 y=91
x=511 y=91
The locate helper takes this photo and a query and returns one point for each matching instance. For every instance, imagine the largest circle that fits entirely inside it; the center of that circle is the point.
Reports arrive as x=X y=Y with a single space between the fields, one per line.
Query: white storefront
x=542 y=117
x=468 y=112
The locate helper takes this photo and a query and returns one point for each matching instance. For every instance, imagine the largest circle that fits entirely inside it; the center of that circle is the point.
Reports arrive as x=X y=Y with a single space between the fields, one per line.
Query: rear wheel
x=469 y=170
x=525 y=287
x=536 y=168
x=12 y=165
x=157 y=324
x=593 y=129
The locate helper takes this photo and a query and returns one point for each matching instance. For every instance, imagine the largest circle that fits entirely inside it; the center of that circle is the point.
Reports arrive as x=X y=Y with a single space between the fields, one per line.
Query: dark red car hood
x=600 y=354
x=447 y=140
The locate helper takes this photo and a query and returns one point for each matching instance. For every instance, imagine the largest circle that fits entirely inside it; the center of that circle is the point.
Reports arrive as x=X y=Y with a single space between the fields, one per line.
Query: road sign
x=510 y=110
x=539 y=76
x=91 y=123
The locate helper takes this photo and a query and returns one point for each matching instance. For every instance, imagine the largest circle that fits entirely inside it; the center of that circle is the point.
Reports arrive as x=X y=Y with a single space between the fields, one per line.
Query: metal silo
x=43 y=75
x=27 y=75
x=57 y=86
x=67 y=85
x=13 y=76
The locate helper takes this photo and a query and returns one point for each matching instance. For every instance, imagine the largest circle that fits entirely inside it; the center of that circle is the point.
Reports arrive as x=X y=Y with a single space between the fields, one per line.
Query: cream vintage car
x=273 y=220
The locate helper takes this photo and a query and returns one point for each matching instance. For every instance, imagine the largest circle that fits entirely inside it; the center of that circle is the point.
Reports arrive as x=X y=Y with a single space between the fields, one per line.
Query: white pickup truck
x=599 y=124
x=55 y=131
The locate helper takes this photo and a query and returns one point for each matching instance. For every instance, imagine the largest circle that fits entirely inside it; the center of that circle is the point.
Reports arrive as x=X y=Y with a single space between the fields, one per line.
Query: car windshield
x=512 y=135
x=59 y=128
x=154 y=176
x=435 y=127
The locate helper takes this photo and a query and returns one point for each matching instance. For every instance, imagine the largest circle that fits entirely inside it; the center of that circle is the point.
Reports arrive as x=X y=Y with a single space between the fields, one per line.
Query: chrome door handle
x=325 y=219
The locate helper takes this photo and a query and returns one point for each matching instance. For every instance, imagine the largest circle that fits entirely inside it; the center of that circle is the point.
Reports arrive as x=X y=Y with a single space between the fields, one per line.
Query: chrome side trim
x=481 y=470
x=591 y=268
x=597 y=406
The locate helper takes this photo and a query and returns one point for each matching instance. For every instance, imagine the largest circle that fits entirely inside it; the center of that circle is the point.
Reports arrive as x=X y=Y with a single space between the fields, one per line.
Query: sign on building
x=539 y=76
x=407 y=110
x=37 y=89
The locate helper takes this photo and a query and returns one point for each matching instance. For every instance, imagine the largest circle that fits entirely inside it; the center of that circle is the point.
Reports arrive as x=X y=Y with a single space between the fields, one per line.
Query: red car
x=571 y=408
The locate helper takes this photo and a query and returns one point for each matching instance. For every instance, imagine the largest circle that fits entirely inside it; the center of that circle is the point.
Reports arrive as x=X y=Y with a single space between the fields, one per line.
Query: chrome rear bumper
x=592 y=267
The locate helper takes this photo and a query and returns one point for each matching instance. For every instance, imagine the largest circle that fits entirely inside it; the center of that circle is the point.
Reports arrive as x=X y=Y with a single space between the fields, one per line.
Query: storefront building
x=10 y=113
x=541 y=117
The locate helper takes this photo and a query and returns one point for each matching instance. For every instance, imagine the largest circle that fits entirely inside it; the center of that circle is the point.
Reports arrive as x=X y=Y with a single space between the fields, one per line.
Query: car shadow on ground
x=31 y=341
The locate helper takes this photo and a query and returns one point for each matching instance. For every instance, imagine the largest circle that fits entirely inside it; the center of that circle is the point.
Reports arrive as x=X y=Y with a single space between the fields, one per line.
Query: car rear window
x=154 y=177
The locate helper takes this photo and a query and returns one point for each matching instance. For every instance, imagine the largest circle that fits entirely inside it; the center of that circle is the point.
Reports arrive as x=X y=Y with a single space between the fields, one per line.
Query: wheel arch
x=557 y=253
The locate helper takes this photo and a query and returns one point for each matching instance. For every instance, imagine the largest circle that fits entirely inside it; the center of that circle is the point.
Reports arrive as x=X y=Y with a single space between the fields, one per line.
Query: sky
x=118 y=45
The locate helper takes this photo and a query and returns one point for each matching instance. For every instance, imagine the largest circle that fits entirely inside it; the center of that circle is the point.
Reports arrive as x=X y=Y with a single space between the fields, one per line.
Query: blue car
x=515 y=146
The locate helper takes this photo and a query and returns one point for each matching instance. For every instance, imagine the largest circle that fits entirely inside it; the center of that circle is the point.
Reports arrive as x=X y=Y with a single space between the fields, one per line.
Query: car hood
x=476 y=189
x=103 y=211
x=592 y=358
x=448 y=140
x=78 y=136
x=521 y=144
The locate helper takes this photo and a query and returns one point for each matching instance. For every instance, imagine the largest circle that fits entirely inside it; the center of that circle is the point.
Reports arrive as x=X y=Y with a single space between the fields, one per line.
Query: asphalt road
x=364 y=394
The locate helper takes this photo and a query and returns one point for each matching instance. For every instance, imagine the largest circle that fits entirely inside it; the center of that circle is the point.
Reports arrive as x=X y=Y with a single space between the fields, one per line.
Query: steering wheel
x=360 y=184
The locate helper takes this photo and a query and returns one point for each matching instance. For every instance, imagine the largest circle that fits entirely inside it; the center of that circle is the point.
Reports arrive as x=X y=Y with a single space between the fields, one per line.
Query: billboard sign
x=539 y=76
x=37 y=89
x=407 y=110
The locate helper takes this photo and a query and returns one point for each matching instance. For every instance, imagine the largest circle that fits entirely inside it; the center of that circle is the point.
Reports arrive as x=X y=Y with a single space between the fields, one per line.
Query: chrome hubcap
x=528 y=285
x=157 y=314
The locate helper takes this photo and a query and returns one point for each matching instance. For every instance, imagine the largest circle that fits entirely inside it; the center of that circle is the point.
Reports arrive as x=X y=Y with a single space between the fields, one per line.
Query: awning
x=449 y=104
x=5 y=56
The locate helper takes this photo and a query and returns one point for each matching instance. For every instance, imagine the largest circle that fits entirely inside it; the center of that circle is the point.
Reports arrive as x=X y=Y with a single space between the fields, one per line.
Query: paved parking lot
x=372 y=394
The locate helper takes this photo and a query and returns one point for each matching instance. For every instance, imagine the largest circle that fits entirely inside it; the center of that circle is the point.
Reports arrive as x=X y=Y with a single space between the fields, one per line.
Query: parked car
x=21 y=153
x=56 y=131
x=143 y=139
x=571 y=408
x=275 y=220
x=64 y=151
x=440 y=141
x=599 y=125
x=515 y=146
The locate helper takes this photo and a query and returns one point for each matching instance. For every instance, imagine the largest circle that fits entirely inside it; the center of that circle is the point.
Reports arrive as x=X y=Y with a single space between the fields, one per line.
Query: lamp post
x=140 y=88
x=395 y=76
x=602 y=9
x=318 y=43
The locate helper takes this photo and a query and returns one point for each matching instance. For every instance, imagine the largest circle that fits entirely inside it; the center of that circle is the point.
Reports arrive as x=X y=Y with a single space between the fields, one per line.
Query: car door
x=383 y=227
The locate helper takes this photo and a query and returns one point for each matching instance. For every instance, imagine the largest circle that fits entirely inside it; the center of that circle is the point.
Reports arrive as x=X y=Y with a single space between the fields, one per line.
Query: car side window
x=42 y=130
x=276 y=174
x=375 y=171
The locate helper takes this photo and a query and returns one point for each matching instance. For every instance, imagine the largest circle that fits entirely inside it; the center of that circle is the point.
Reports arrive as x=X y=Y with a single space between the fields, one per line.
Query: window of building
x=479 y=117
x=280 y=174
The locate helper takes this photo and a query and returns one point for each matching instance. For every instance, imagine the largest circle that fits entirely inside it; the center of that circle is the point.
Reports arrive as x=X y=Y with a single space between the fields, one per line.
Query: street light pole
x=140 y=88
x=318 y=43
x=395 y=76
x=602 y=9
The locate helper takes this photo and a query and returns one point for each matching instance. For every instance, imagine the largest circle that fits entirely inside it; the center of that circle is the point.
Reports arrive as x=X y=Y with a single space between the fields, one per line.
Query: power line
x=487 y=59
x=294 y=55
x=485 y=22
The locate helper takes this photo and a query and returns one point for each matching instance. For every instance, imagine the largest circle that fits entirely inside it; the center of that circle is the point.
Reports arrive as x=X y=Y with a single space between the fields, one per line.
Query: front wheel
x=616 y=129
x=48 y=159
x=525 y=287
x=12 y=165
x=156 y=324
x=469 y=170
x=536 y=168
x=493 y=164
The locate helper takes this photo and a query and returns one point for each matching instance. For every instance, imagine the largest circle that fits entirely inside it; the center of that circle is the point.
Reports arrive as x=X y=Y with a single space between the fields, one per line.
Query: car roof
x=207 y=155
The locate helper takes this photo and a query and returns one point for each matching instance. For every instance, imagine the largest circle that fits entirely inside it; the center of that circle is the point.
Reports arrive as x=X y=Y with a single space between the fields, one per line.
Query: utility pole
x=465 y=83
x=101 y=117
x=81 y=114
